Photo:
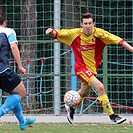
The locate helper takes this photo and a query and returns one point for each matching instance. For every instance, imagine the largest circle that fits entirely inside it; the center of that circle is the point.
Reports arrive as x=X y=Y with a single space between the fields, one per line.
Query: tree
x=29 y=32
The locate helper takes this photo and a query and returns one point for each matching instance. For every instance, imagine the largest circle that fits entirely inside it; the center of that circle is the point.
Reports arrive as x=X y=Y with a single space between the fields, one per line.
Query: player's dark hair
x=87 y=15
x=2 y=18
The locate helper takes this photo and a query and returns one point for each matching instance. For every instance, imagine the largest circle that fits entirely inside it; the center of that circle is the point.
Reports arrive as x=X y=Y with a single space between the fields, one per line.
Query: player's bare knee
x=22 y=94
x=100 y=89
x=20 y=90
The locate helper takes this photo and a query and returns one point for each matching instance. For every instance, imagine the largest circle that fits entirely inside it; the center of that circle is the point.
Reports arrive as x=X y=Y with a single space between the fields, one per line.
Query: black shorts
x=9 y=80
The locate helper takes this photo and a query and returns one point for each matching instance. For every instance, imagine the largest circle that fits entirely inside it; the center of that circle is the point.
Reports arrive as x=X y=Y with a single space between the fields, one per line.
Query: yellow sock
x=81 y=99
x=106 y=104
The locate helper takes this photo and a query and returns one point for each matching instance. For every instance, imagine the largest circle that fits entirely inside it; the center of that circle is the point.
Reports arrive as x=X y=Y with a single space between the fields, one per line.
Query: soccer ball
x=71 y=98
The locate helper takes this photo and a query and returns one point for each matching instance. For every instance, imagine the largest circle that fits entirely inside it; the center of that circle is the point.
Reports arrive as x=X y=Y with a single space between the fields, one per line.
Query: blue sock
x=18 y=113
x=9 y=104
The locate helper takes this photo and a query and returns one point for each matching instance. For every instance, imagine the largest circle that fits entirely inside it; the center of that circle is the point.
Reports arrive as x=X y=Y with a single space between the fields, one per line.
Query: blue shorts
x=9 y=80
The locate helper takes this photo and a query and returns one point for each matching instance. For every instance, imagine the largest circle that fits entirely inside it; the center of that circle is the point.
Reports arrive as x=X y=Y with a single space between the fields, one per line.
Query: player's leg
x=84 y=91
x=9 y=81
x=15 y=87
x=23 y=123
x=19 y=113
x=9 y=104
x=103 y=98
x=86 y=77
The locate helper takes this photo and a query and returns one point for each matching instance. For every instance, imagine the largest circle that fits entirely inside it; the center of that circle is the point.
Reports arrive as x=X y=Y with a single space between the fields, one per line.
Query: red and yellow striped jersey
x=87 y=49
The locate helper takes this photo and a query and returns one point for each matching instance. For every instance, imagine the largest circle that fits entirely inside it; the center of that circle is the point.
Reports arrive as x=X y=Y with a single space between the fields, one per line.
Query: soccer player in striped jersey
x=10 y=82
x=87 y=44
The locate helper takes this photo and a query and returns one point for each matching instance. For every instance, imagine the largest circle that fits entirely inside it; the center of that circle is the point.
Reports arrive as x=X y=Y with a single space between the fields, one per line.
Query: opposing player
x=10 y=82
x=87 y=44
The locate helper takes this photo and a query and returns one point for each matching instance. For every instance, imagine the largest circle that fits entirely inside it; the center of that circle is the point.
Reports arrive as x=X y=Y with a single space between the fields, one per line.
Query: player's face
x=87 y=25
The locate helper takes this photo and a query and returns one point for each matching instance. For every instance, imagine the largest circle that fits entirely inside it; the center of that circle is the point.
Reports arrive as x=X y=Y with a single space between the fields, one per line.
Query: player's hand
x=23 y=70
x=49 y=31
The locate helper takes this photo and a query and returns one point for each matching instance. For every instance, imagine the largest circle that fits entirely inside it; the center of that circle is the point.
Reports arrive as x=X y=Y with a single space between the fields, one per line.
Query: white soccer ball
x=71 y=98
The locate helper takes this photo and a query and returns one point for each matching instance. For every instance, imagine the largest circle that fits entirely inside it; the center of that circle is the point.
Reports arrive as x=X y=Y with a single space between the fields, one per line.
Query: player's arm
x=15 y=51
x=16 y=54
x=127 y=46
x=51 y=32
x=65 y=36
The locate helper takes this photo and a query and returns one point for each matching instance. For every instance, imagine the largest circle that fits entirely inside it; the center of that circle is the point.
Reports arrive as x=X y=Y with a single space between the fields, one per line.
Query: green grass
x=67 y=128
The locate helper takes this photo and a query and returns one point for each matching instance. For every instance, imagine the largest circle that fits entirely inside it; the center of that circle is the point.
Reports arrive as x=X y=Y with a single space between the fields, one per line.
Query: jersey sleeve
x=12 y=37
x=109 y=38
x=65 y=36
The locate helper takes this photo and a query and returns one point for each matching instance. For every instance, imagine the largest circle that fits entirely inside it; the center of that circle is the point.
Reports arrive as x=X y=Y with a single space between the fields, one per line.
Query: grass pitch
x=67 y=128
